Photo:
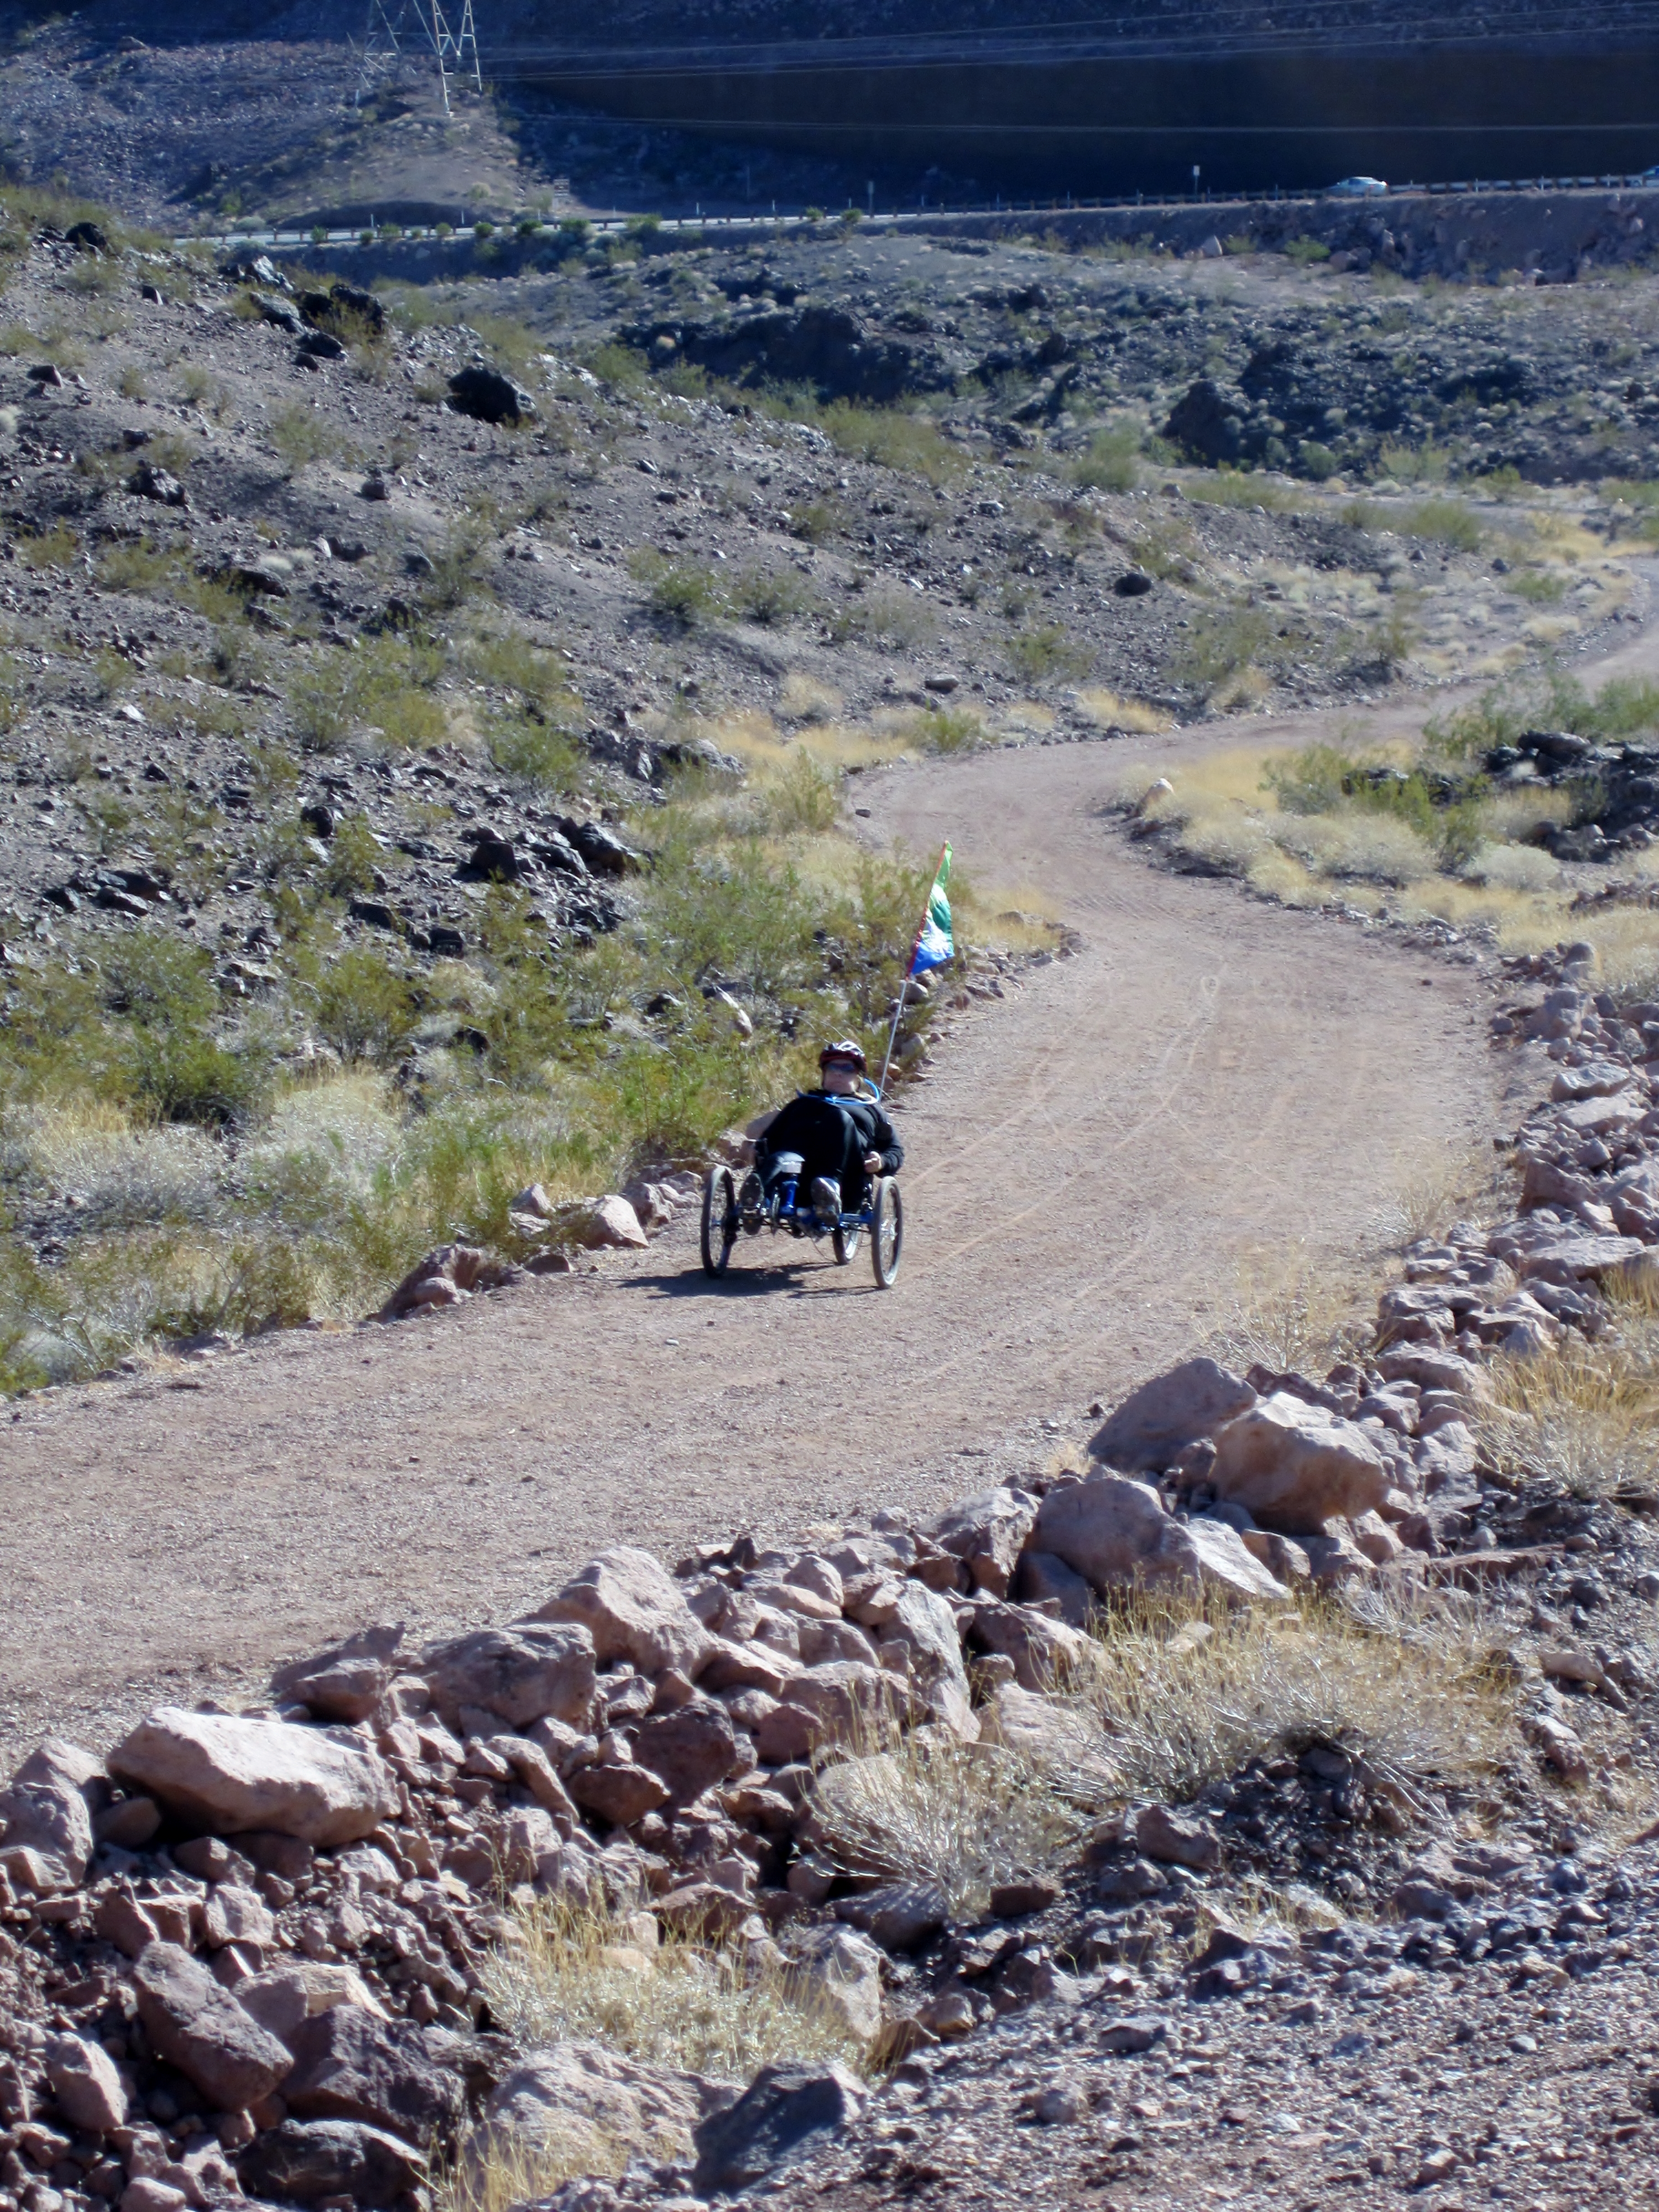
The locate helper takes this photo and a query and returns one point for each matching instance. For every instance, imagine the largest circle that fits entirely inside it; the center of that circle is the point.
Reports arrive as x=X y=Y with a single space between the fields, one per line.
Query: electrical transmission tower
x=394 y=26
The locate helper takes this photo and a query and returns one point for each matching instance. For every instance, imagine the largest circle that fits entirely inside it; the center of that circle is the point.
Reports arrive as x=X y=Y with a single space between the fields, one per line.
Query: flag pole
x=909 y=965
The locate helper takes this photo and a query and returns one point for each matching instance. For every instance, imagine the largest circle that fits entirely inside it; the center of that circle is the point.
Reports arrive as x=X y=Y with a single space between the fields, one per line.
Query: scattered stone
x=784 y=2109
x=197 y=2026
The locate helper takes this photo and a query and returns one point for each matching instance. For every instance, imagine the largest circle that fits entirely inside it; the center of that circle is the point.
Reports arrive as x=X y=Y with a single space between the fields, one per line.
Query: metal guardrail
x=998 y=209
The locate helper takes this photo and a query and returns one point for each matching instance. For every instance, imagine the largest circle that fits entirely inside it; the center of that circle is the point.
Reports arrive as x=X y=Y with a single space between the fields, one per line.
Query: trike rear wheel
x=721 y=1220
x=886 y=1232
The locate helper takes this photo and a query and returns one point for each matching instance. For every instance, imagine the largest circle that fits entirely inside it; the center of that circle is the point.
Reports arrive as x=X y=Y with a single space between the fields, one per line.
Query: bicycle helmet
x=847 y=1049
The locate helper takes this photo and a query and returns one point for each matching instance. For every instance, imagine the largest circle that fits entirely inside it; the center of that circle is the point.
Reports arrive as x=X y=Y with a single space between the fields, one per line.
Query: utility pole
x=391 y=24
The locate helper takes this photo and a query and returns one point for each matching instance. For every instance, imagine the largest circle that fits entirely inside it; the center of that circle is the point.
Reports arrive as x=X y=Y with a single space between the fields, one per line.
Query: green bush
x=1039 y=654
x=1445 y=522
x=806 y=796
x=1321 y=779
x=771 y=597
x=364 y=1007
x=536 y=753
x=682 y=592
x=1111 y=462
x=1306 y=252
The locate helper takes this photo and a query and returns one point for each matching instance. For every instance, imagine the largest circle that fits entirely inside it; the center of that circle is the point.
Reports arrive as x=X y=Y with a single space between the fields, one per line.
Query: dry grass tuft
x=497 y=2171
x=1585 y=1417
x=1406 y=1692
x=1290 y=1310
x=1107 y=709
x=959 y=1817
x=581 y=1972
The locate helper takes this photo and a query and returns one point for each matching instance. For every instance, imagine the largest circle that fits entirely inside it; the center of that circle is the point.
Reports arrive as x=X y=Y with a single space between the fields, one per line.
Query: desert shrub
x=1540 y=587
x=1445 y=522
x=536 y=754
x=54 y=548
x=363 y=1006
x=299 y=436
x=1409 y=1693
x=892 y=439
x=1110 y=461
x=945 y=730
x=958 y=1817
x=734 y=914
x=805 y=798
x=691 y=2005
x=1306 y=252
x=1442 y=812
x=771 y=596
x=1039 y=654
x=683 y=593
x=1580 y=1416
x=1222 y=644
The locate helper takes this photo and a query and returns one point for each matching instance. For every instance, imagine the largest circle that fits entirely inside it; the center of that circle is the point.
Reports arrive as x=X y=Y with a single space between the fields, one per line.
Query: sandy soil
x=1089 y=1162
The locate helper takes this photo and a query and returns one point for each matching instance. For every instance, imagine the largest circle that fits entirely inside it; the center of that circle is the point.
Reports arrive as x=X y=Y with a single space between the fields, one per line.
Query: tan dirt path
x=1088 y=1161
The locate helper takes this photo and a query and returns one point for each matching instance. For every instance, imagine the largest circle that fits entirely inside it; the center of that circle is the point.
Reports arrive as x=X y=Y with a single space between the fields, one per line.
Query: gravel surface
x=1088 y=1163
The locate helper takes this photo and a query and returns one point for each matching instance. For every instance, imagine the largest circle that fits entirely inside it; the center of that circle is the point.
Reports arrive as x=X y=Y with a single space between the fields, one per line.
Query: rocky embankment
x=250 y=1953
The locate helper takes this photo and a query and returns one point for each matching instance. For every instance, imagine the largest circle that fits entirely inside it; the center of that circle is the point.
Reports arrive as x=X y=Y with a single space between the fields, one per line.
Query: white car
x=1359 y=188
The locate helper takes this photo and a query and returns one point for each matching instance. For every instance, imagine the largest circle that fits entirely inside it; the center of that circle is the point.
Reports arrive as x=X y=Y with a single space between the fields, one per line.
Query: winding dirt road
x=1088 y=1162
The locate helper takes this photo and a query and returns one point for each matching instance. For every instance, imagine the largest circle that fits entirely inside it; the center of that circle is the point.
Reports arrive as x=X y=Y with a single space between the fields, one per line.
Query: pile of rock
x=547 y=1233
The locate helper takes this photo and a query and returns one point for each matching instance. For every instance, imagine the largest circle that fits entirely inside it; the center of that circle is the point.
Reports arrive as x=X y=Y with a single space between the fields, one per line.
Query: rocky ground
x=287 y=614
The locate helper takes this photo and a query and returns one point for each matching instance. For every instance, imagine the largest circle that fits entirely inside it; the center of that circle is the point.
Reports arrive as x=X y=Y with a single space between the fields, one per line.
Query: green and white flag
x=934 y=945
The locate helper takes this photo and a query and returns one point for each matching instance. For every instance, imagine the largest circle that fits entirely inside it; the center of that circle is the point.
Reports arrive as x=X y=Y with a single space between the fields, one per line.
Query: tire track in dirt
x=1089 y=1161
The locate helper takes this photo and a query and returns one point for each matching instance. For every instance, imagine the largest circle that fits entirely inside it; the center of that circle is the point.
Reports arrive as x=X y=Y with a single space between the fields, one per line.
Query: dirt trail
x=1088 y=1162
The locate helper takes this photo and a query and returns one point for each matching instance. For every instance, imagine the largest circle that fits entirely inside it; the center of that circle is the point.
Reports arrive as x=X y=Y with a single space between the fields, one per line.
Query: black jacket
x=805 y=1122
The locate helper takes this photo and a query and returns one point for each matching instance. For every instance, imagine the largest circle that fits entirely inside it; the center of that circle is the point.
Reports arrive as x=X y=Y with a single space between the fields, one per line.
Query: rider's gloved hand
x=872 y=1163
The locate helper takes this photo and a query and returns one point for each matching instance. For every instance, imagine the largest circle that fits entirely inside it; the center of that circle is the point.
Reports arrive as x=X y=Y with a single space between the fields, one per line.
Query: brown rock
x=88 y=2090
x=1156 y=1422
x=122 y=1921
x=199 y=2027
x=46 y=1807
x=620 y=1795
x=986 y=1534
x=347 y=2065
x=1168 y=1838
x=1294 y=1467
x=1044 y=1651
x=223 y=1774
x=522 y=1673
x=633 y=1609
x=691 y=1749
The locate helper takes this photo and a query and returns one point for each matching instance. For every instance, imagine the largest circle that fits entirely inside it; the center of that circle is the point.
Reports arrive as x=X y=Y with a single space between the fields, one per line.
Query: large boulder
x=528 y=1673
x=347 y=2065
x=1155 y=1424
x=195 y=2024
x=619 y=1794
x=344 y=1683
x=691 y=1749
x=633 y=1609
x=1115 y=1533
x=784 y=2110
x=838 y=1703
x=487 y=396
x=986 y=1534
x=840 y=1972
x=925 y=1623
x=47 y=1810
x=224 y=1775
x=1294 y=1467
x=88 y=2089
x=304 y=2162
x=573 y=2096
x=1044 y=1652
